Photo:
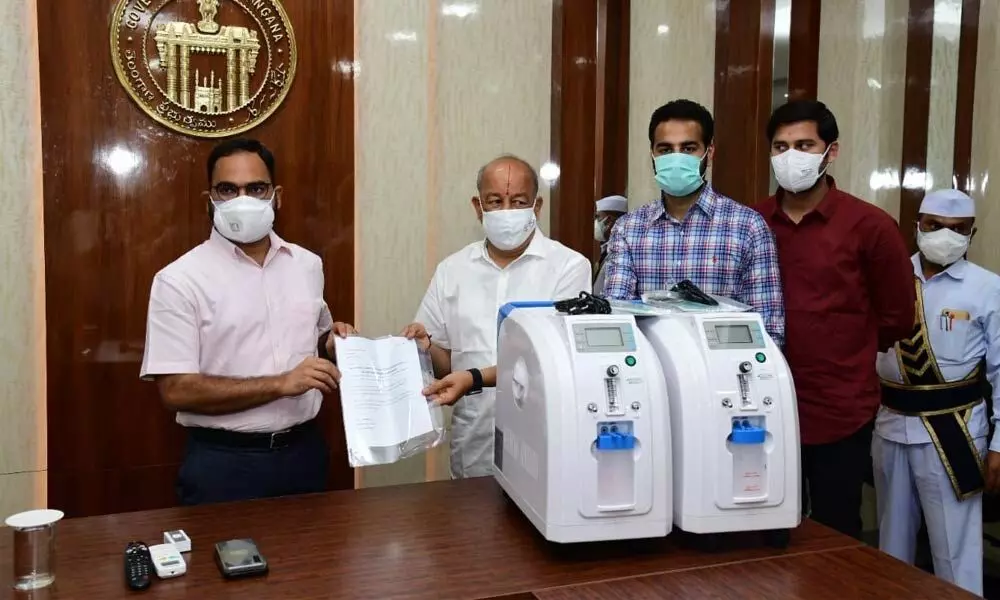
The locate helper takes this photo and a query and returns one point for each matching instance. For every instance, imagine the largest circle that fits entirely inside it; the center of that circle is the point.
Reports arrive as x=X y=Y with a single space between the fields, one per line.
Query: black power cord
x=584 y=304
x=693 y=293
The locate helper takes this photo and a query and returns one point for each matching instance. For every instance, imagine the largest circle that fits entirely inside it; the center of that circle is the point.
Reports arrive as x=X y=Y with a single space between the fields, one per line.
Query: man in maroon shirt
x=848 y=286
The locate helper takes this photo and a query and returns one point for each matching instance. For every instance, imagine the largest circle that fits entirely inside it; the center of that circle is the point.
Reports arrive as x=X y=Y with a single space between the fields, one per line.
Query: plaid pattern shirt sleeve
x=760 y=278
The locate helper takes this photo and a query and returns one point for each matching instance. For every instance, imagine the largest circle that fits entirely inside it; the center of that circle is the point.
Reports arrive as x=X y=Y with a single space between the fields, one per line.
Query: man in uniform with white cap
x=608 y=211
x=930 y=433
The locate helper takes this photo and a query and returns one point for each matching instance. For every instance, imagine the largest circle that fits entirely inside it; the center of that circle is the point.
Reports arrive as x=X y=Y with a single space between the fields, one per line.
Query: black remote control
x=138 y=566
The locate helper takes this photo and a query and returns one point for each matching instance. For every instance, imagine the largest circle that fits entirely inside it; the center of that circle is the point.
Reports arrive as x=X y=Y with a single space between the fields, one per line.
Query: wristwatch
x=477 y=383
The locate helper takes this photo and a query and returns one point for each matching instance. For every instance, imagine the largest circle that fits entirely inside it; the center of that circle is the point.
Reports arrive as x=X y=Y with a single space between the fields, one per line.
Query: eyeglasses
x=227 y=191
x=964 y=228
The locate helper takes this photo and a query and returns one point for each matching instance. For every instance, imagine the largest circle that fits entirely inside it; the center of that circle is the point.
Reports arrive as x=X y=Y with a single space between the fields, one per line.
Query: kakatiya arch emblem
x=207 y=68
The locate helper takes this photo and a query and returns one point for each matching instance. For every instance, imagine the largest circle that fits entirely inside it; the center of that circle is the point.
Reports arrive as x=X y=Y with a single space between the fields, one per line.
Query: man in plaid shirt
x=693 y=232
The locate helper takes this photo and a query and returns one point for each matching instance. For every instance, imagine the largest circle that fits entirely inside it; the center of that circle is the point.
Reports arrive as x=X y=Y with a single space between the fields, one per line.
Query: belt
x=940 y=408
x=929 y=400
x=258 y=441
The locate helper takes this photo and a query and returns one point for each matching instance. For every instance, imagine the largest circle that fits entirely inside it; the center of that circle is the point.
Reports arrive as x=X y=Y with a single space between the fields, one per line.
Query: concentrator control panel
x=604 y=337
x=733 y=335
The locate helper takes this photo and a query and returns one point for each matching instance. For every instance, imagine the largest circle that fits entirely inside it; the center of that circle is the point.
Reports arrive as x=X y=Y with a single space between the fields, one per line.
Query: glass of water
x=34 y=548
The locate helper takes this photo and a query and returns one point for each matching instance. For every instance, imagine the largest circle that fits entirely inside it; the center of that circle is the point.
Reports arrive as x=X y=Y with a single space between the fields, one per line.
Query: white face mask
x=600 y=231
x=942 y=247
x=797 y=171
x=244 y=219
x=508 y=229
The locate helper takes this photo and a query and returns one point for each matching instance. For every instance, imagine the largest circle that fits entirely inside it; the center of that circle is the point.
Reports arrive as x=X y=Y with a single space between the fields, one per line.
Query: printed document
x=381 y=393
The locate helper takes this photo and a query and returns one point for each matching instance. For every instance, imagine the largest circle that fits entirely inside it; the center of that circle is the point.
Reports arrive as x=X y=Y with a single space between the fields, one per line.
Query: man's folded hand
x=311 y=374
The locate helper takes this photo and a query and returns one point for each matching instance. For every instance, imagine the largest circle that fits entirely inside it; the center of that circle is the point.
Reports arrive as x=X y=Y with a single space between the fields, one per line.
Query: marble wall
x=442 y=87
x=22 y=296
x=671 y=56
x=944 y=89
x=861 y=77
x=985 y=132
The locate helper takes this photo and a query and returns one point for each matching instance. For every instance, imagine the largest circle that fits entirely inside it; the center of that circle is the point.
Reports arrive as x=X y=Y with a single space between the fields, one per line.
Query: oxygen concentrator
x=582 y=428
x=735 y=423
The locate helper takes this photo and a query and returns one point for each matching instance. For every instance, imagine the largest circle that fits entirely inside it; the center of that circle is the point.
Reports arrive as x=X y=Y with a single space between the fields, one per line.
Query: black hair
x=683 y=110
x=235 y=146
x=797 y=111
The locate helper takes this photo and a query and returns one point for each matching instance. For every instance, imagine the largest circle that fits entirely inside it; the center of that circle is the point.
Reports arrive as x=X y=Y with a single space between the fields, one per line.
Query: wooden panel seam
x=916 y=112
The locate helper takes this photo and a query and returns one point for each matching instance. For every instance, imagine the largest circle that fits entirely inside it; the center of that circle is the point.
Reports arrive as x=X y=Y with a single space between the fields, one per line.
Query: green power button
x=760 y=357
x=630 y=361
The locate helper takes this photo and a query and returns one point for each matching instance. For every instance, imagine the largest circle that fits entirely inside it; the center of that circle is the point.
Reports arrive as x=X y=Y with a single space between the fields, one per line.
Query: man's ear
x=278 y=193
x=478 y=206
x=539 y=201
x=833 y=153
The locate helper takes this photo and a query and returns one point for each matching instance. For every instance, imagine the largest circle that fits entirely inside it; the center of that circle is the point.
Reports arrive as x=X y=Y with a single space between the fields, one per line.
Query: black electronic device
x=138 y=566
x=693 y=293
x=239 y=558
x=584 y=304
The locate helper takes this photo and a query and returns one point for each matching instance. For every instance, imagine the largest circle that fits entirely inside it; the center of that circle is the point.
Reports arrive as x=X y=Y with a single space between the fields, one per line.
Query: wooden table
x=458 y=539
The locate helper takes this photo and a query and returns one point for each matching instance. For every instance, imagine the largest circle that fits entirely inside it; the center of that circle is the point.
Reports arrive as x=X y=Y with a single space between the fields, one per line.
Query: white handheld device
x=167 y=561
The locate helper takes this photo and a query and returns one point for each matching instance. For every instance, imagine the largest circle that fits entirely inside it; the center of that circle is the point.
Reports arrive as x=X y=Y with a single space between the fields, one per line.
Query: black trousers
x=216 y=473
x=832 y=476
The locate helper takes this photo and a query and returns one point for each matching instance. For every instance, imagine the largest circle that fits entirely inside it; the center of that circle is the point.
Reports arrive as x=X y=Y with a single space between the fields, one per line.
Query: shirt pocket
x=953 y=340
x=725 y=258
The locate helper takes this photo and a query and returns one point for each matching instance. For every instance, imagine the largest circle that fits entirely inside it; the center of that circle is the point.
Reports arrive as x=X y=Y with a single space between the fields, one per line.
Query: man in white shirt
x=233 y=335
x=457 y=318
x=930 y=444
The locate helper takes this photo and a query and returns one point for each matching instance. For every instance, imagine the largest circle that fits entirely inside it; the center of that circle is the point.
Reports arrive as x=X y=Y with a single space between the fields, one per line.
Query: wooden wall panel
x=916 y=111
x=614 y=24
x=803 y=54
x=589 y=113
x=574 y=122
x=744 y=45
x=965 y=96
x=122 y=201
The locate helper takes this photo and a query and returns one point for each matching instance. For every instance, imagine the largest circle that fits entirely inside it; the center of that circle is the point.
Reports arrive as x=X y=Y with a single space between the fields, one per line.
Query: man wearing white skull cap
x=929 y=448
x=608 y=211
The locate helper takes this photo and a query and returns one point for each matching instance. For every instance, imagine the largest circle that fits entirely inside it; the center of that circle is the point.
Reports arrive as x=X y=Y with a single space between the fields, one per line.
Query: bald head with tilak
x=507 y=183
x=504 y=183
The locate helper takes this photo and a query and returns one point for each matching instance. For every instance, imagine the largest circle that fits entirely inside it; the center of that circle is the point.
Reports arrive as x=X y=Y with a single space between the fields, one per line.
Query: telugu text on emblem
x=208 y=68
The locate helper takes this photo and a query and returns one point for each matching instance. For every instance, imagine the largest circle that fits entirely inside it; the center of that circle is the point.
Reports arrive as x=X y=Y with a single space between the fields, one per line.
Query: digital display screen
x=733 y=334
x=170 y=563
x=604 y=337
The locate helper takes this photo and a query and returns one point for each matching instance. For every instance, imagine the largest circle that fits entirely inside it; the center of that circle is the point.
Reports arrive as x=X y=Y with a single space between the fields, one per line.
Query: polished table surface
x=455 y=539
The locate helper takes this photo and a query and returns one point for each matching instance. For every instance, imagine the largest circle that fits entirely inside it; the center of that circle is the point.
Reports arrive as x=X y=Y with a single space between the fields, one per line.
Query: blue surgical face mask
x=677 y=173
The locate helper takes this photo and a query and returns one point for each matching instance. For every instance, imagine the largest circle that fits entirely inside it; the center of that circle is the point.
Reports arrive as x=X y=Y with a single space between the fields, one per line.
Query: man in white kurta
x=458 y=314
x=930 y=434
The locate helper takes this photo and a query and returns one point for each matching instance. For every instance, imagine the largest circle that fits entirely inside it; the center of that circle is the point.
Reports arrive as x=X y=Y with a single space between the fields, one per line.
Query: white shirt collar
x=956 y=270
x=539 y=246
x=220 y=241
